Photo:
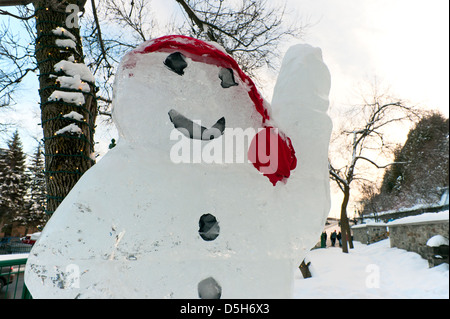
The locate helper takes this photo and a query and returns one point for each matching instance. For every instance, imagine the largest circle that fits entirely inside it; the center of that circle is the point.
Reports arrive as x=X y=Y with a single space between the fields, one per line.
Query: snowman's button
x=208 y=227
x=209 y=288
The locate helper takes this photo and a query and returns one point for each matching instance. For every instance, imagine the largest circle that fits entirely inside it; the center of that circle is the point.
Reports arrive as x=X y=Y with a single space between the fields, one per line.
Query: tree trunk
x=304 y=268
x=67 y=155
x=345 y=227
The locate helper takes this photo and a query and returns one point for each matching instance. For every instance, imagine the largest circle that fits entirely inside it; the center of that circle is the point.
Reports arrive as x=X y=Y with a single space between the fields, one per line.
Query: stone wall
x=414 y=236
x=369 y=233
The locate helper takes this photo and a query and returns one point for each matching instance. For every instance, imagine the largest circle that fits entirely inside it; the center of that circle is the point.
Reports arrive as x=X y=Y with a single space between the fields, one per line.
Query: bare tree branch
x=250 y=31
x=377 y=165
x=16 y=57
x=334 y=174
x=3 y=12
x=6 y=3
x=99 y=34
x=191 y=14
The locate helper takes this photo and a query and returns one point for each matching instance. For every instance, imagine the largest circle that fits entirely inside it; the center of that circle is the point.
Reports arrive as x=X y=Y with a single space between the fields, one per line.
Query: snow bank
x=403 y=209
x=437 y=241
x=369 y=224
x=373 y=271
x=13 y=256
x=426 y=217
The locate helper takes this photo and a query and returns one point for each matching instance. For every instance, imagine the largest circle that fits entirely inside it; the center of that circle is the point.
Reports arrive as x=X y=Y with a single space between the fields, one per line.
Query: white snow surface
x=63 y=32
x=73 y=82
x=402 y=274
x=66 y=43
x=437 y=240
x=13 y=256
x=373 y=271
x=370 y=223
x=426 y=217
x=69 y=97
x=74 y=115
x=403 y=209
x=130 y=226
x=71 y=128
x=74 y=69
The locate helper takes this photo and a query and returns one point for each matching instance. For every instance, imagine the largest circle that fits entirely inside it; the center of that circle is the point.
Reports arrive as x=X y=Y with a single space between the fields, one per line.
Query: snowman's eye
x=227 y=78
x=176 y=62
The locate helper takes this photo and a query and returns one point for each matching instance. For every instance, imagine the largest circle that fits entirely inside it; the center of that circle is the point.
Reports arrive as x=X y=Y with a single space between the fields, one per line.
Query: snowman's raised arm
x=300 y=103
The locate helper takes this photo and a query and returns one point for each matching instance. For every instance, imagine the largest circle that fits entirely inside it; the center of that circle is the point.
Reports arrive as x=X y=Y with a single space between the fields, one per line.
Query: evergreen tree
x=425 y=171
x=3 y=200
x=35 y=215
x=13 y=181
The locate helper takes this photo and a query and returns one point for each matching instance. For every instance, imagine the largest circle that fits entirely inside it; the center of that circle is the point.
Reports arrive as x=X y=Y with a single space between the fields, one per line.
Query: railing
x=12 y=284
x=13 y=245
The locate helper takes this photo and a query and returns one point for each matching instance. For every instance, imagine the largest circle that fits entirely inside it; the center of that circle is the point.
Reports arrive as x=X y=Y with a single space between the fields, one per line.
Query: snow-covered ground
x=372 y=271
x=368 y=271
x=13 y=256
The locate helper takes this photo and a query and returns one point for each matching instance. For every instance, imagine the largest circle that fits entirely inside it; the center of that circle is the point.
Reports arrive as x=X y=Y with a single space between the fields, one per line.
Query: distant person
x=323 y=239
x=339 y=238
x=333 y=238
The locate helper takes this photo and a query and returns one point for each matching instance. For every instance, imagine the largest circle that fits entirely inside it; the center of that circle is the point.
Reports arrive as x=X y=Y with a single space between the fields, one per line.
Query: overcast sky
x=404 y=43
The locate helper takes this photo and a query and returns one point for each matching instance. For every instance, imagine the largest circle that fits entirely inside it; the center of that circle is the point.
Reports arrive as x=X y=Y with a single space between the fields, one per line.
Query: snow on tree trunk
x=59 y=55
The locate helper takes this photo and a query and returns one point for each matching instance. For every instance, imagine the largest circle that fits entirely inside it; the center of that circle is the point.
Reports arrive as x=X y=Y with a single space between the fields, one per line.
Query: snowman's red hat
x=208 y=53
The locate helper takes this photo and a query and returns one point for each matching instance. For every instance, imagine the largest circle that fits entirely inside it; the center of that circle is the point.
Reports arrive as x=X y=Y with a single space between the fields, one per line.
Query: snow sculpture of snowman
x=174 y=211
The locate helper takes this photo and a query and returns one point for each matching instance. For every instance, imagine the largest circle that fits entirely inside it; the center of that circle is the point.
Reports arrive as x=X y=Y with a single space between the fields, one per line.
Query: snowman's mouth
x=194 y=130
